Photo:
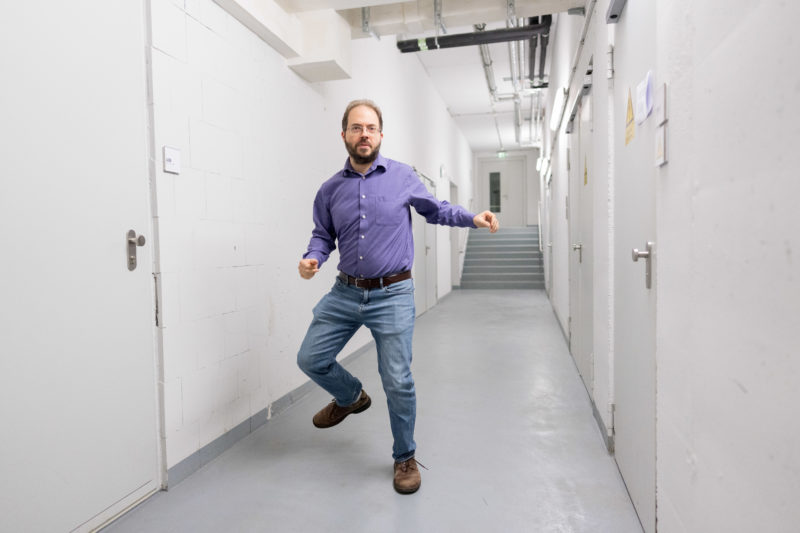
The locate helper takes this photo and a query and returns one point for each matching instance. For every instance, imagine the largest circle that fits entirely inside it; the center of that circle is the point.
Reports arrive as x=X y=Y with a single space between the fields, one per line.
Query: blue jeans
x=388 y=312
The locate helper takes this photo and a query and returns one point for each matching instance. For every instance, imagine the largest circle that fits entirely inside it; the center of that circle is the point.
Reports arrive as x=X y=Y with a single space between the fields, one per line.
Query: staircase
x=508 y=259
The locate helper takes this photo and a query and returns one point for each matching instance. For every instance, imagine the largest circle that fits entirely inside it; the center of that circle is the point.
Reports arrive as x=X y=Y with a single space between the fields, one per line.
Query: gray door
x=581 y=243
x=502 y=185
x=634 y=308
x=77 y=374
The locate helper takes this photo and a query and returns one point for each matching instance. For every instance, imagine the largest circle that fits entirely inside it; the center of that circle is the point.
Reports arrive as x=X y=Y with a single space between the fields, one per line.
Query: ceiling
x=489 y=123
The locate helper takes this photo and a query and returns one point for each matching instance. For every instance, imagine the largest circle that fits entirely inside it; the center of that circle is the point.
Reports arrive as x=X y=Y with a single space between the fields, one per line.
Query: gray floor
x=504 y=425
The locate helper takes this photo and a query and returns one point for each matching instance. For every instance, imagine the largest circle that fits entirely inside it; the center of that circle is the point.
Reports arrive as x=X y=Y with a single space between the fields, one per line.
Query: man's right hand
x=308 y=267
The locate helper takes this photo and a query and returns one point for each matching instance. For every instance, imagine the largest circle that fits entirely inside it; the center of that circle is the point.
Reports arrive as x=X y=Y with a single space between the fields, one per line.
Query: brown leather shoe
x=332 y=414
x=406 y=477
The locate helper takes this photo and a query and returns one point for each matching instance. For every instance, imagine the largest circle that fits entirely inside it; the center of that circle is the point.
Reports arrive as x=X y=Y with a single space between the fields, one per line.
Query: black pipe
x=546 y=21
x=520 y=33
x=532 y=50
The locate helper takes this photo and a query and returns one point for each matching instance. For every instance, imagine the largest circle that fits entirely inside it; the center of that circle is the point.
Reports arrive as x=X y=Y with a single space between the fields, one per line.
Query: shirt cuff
x=314 y=255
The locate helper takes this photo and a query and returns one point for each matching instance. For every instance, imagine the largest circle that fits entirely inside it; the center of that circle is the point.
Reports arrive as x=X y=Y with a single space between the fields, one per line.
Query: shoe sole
x=359 y=410
x=407 y=491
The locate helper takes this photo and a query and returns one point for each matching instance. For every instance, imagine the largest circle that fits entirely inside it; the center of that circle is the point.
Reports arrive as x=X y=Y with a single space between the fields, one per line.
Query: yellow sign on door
x=585 y=171
x=629 y=122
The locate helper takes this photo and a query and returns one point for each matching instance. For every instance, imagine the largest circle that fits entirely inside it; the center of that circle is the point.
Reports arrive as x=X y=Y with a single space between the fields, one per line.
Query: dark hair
x=356 y=103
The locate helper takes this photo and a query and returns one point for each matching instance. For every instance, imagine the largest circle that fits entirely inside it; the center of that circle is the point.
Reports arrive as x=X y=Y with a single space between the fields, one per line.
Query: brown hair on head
x=355 y=103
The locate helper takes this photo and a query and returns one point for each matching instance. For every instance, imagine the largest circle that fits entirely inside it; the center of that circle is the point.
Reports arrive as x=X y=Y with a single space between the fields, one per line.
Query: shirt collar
x=380 y=161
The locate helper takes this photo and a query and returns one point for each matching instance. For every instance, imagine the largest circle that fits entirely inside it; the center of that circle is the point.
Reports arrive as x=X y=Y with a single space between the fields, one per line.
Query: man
x=365 y=206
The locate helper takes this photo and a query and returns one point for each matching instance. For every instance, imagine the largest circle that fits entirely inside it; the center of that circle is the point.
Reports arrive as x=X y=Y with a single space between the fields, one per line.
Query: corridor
x=504 y=426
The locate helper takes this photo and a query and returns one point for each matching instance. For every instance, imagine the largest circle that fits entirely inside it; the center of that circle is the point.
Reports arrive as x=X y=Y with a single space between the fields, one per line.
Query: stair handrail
x=539 y=220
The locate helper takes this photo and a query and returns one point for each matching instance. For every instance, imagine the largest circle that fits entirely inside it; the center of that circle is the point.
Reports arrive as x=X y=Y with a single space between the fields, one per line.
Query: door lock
x=133 y=243
x=579 y=248
x=647 y=255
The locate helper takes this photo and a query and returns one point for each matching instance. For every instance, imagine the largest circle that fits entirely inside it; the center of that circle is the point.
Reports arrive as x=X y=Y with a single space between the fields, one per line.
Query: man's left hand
x=487 y=219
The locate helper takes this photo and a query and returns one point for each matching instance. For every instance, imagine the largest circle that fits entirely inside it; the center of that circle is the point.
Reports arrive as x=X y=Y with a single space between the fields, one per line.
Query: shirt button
x=362 y=236
x=361 y=257
x=363 y=216
x=363 y=196
x=363 y=177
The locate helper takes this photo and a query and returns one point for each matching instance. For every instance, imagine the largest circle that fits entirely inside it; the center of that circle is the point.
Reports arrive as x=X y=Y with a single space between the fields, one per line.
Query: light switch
x=172 y=160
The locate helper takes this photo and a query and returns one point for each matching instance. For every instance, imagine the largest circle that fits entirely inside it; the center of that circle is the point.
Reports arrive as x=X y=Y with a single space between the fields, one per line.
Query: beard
x=352 y=149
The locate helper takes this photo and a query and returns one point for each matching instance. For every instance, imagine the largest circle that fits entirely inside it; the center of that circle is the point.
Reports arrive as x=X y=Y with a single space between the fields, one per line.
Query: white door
x=502 y=183
x=455 y=235
x=548 y=247
x=431 y=276
x=425 y=275
x=634 y=307
x=77 y=372
x=431 y=290
x=581 y=243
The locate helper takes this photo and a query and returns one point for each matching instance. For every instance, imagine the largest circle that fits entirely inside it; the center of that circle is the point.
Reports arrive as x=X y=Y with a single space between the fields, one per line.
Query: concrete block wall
x=728 y=307
x=256 y=141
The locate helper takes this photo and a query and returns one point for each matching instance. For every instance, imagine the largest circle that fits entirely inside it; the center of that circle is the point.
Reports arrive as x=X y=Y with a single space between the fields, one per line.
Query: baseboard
x=608 y=439
x=601 y=425
x=213 y=449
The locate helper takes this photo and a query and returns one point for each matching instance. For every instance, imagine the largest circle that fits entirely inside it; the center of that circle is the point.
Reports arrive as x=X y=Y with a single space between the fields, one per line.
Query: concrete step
x=502 y=248
x=504 y=259
x=503 y=240
x=502 y=277
x=510 y=285
x=508 y=229
x=502 y=255
x=494 y=237
x=501 y=269
x=508 y=259
x=514 y=263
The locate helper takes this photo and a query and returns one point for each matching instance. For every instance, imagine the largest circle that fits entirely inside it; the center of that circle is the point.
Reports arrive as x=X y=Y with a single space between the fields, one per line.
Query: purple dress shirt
x=369 y=214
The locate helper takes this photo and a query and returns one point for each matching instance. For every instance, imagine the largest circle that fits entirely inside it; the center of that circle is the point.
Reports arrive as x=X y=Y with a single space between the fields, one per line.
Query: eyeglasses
x=358 y=129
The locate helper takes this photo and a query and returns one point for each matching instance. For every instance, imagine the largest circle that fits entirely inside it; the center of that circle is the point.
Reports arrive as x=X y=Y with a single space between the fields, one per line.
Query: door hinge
x=157 y=281
x=610 y=54
x=566 y=207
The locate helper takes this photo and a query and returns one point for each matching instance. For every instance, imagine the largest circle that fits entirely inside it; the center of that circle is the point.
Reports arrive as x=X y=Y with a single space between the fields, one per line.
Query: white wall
x=606 y=119
x=728 y=308
x=256 y=142
x=564 y=36
x=599 y=36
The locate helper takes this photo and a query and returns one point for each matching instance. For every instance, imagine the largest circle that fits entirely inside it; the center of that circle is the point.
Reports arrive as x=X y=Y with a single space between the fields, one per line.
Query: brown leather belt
x=374 y=283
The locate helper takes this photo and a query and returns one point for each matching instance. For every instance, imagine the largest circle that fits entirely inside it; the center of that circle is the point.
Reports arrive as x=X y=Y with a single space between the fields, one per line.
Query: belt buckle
x=356 y=283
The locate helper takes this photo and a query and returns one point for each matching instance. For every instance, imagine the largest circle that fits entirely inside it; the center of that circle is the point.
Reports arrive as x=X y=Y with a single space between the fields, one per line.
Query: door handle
x=133 y=243
x=579 y=248
x=647 y=255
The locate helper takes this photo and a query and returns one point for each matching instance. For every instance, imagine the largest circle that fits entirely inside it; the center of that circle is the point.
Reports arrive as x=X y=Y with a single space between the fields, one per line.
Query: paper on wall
x=644 y=98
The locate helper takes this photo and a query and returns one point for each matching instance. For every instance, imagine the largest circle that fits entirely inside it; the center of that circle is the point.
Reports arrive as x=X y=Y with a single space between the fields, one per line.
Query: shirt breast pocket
x=390 y=211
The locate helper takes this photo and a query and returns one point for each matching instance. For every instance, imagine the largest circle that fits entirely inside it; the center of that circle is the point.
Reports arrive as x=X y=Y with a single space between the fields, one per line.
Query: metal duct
x=514 y=65
x=532 y=50
x=486 y=59
x=547 y=20
x=470 y=39
x=517 y=118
